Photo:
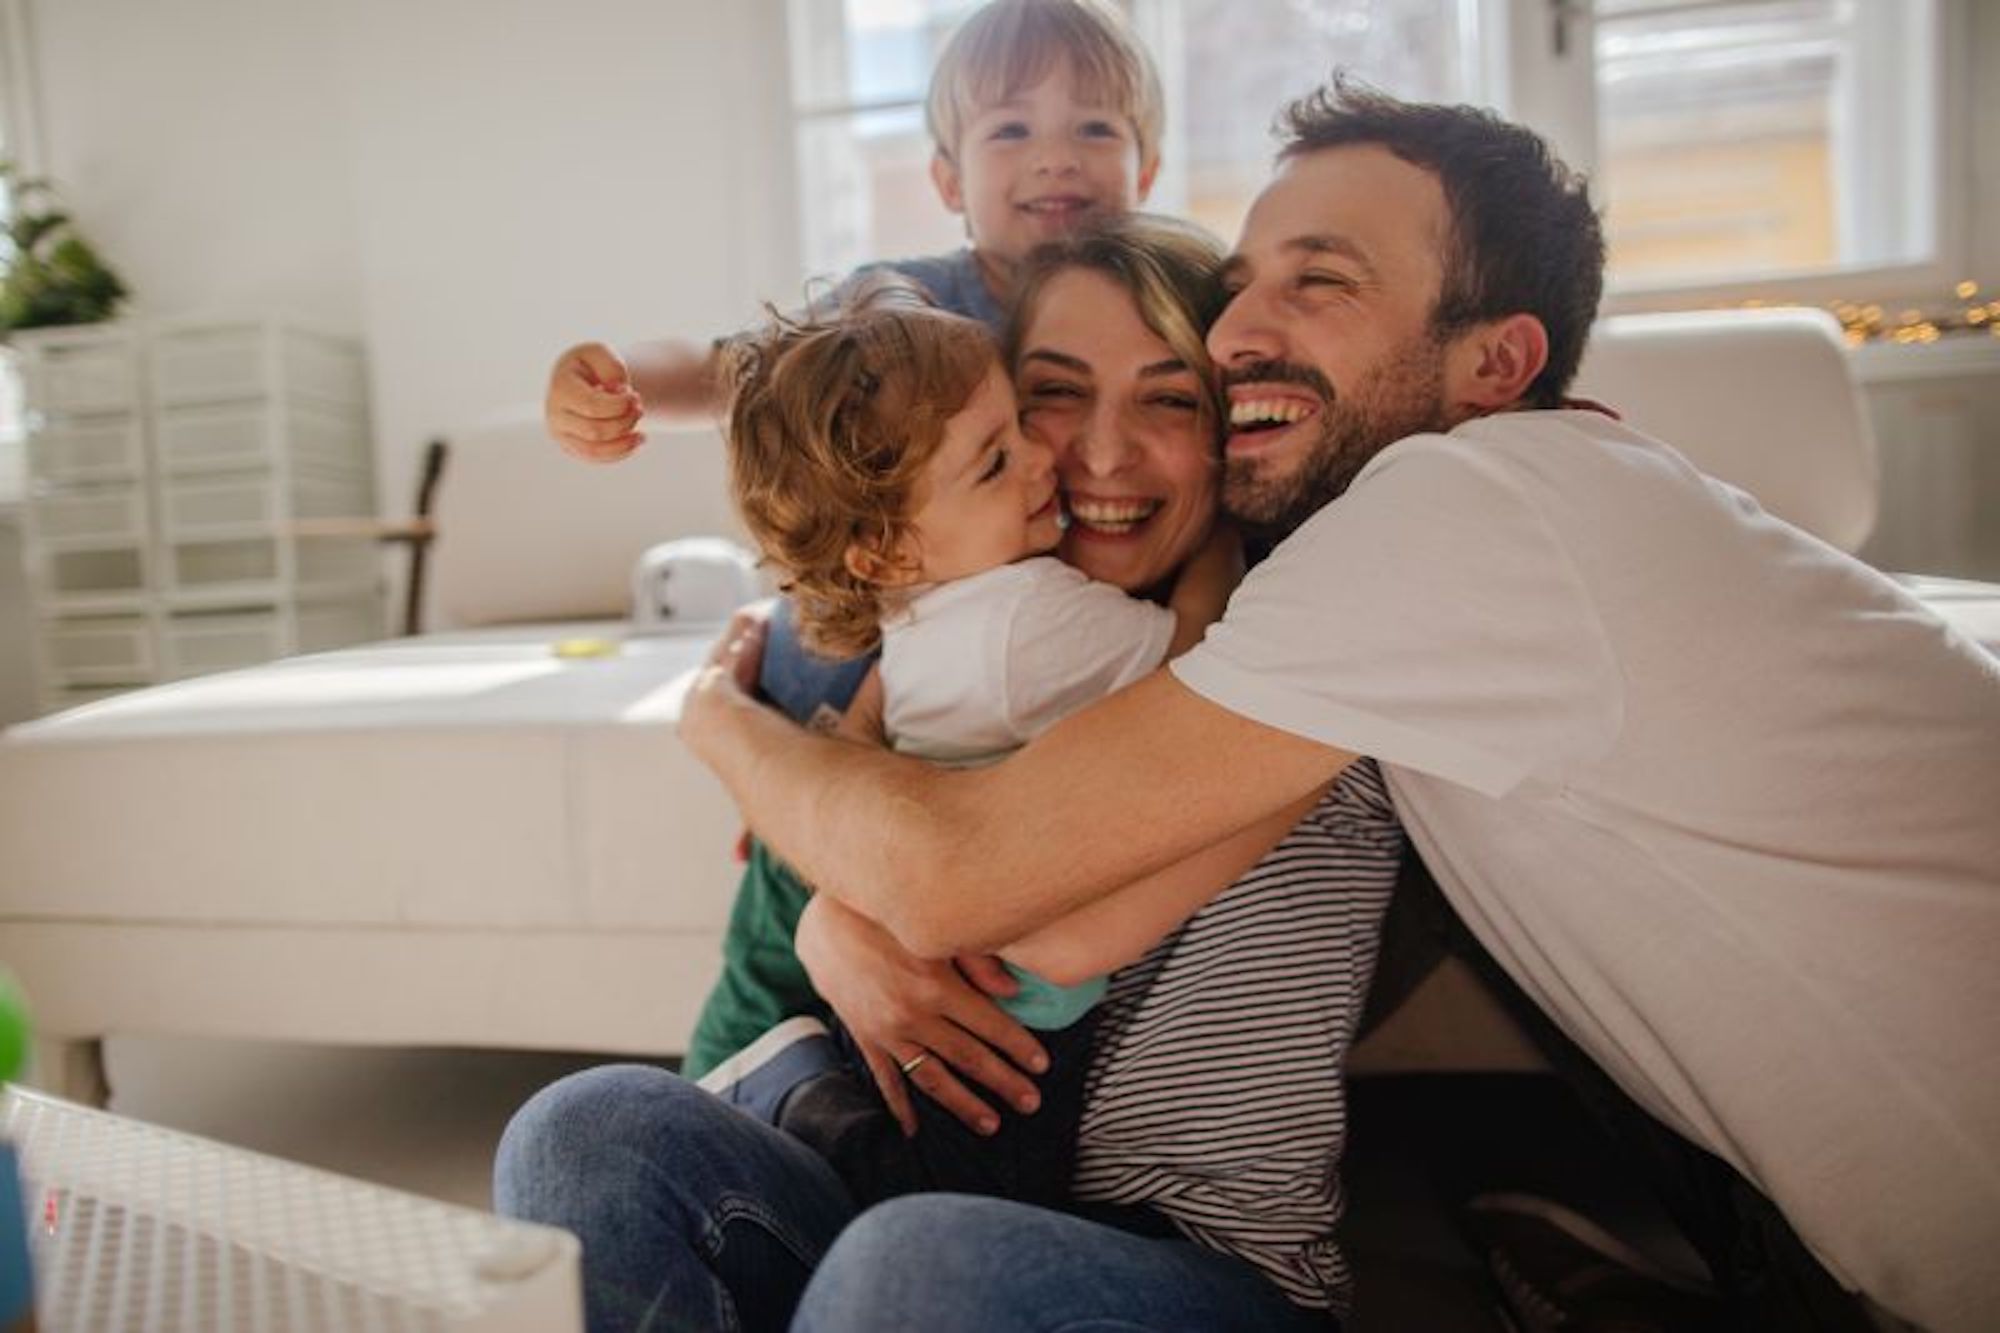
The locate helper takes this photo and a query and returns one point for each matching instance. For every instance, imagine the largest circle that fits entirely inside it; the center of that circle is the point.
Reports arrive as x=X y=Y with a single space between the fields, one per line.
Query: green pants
x=762 y=983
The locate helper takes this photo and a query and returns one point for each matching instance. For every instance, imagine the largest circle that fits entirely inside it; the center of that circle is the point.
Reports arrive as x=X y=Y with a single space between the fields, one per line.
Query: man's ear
x=944 y=175
x=886 y=569
x=1489 y=367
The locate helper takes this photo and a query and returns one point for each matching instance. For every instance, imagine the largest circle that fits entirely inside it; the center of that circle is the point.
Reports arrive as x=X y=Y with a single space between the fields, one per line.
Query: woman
x=698 y=1215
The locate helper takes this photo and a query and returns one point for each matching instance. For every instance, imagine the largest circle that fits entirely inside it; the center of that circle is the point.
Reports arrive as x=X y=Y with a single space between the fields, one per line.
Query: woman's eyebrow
x=1063 y=359
x=1171 y=366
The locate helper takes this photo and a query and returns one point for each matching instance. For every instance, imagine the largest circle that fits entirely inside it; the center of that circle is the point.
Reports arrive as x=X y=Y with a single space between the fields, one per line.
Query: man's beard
x=1403 y=396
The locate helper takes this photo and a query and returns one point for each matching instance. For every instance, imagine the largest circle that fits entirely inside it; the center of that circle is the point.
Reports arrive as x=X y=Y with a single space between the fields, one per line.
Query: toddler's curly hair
x=832 y=417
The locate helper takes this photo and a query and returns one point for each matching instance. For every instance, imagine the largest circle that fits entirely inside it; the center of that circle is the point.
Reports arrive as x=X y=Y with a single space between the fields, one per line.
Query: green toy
x=14 y=1029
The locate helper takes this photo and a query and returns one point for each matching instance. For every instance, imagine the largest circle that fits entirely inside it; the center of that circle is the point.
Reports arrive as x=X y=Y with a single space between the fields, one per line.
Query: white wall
x=472 y=184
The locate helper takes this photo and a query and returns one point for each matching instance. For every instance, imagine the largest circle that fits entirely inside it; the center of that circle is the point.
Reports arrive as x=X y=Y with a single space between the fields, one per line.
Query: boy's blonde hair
x=832 y=418
x=1009 y=46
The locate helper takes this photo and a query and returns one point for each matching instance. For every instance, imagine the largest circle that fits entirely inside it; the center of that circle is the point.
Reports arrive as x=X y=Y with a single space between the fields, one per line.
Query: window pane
x=848 y=52
x=1751 y=140
x=865 y=182
x=860 y=69
x=1241 y=60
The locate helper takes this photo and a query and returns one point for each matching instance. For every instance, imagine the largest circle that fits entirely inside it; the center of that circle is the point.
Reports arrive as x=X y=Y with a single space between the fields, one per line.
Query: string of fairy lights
x=1871 y=323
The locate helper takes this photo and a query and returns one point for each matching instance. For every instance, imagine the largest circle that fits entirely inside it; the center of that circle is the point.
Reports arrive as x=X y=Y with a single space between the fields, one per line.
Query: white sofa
x=455 y=839
x=466 y=839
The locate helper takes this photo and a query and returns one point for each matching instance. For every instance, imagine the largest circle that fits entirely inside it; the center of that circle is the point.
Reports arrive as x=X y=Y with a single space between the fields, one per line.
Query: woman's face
x=1134 y=440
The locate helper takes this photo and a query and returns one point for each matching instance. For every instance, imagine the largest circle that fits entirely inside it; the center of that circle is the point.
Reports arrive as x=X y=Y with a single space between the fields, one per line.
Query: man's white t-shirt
x=982 y=665
x=1722 y=800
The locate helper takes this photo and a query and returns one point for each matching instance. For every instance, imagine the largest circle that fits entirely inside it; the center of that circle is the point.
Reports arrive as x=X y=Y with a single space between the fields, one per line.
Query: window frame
x=1557 y=96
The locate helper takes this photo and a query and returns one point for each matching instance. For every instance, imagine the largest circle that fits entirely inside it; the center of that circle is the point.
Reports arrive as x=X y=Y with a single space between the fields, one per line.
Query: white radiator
x=137 y=1229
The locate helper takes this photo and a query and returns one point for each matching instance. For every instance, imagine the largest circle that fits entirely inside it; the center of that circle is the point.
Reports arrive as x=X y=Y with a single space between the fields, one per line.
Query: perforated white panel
x=136 y=1228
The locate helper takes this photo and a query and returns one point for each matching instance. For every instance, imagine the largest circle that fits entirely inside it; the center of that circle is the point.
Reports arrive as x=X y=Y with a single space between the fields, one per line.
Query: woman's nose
x=1102 y=447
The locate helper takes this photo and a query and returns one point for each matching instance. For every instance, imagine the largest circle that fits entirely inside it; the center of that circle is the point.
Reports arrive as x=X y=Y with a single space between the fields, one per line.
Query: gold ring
x=911 y=1065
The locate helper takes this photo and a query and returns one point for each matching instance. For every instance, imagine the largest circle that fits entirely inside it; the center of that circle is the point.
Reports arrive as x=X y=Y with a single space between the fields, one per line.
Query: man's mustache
x=1278 y=372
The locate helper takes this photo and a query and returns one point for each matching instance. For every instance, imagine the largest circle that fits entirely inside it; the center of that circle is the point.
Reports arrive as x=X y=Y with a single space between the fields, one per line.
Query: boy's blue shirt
x=953 y=281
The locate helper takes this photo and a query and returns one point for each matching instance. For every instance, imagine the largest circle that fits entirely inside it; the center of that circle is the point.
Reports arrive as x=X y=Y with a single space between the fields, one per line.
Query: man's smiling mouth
x=1251 y=415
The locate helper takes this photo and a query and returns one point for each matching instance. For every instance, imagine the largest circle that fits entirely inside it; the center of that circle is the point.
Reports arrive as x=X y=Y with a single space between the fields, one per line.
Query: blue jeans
x=954 y=1261
x=696 y=1216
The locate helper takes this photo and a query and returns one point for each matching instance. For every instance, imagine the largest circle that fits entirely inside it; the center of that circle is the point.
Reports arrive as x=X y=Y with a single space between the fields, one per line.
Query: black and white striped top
x=1215 y=1094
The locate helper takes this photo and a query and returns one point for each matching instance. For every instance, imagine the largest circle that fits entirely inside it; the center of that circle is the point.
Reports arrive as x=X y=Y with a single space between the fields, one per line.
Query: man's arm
x=1120 y=927
x=957 y=861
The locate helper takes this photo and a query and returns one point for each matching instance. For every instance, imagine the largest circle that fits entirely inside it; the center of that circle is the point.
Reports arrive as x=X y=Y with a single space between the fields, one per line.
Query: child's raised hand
x=592 y=409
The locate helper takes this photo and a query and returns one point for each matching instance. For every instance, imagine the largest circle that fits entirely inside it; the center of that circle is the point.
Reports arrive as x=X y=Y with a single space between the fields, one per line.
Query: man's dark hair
x=1524 y=238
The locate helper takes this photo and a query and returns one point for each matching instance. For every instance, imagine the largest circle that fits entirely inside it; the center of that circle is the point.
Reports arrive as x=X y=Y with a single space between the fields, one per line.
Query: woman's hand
x=903 y=1009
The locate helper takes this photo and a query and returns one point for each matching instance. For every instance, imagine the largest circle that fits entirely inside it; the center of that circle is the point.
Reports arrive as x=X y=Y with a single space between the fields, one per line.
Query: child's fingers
x=600 y=366
x=600 y=451
x=581 y=399
x=591 y=426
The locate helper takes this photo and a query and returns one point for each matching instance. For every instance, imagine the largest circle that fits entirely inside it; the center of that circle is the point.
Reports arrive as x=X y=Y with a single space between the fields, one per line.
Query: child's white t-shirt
x=982 y=665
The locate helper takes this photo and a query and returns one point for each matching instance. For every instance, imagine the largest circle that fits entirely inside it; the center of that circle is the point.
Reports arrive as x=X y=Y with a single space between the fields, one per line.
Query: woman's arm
x=1202 y=590
x=1119 y=928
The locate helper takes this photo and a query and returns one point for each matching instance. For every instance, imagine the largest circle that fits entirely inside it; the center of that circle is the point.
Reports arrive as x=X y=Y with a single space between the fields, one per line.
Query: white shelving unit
x=176 y=470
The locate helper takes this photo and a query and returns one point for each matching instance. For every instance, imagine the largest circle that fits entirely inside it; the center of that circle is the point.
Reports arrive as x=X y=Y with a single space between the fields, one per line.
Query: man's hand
x=728 y=677
x=592 y=409
x=900 y=1007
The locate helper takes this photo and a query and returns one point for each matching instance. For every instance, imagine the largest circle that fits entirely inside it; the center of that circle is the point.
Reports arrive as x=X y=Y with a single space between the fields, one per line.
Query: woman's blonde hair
x=1171 y=269
x=1010 y=46
x=832 y=417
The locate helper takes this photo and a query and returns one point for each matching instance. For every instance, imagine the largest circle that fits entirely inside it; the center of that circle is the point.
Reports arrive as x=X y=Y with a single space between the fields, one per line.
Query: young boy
x=1045 y=115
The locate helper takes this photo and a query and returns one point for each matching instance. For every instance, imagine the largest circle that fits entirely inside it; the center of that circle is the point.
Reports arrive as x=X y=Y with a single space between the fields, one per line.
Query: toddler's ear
x=944 y=175
x=885 y=570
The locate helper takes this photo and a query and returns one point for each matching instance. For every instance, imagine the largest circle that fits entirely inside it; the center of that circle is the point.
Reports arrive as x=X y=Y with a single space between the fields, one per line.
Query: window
x=859 y=72
x=860 y=69
x=1740 y=146
x=1760 y=139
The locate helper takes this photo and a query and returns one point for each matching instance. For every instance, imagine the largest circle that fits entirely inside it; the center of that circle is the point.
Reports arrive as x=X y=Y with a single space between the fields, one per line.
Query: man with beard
x=1717 y=799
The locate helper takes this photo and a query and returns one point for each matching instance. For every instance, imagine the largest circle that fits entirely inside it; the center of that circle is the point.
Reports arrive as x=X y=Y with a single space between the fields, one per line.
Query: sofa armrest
x=525 y=532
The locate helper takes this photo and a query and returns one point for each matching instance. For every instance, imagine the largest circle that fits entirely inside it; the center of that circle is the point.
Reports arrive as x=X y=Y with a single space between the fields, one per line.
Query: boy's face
x=988 y=495
x=1038 y=166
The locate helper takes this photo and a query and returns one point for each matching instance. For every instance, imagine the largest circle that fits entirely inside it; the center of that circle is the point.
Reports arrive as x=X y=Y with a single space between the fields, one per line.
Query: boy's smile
x=1038 y=166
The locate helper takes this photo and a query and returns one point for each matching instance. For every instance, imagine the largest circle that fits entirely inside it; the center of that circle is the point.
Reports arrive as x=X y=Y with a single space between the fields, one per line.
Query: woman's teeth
x=1269 y=412
x=1111 y=517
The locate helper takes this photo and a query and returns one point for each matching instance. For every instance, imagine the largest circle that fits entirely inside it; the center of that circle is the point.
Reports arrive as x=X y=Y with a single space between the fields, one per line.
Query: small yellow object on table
x=579 y=648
